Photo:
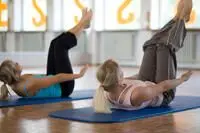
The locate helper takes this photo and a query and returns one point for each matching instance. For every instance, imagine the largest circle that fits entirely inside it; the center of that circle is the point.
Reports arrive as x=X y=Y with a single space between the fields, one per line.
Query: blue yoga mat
x=181 y=103
x=76 y=95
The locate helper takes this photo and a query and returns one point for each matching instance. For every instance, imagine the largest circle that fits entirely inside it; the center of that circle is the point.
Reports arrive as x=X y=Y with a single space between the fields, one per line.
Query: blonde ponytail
x=100 y=102
x=109 y=74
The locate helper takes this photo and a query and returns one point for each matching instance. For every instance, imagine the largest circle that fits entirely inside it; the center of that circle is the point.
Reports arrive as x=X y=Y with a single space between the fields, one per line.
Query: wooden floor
x=34 y=119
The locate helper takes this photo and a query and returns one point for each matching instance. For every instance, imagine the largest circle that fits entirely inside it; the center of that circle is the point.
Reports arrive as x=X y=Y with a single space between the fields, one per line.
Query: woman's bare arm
x=184 y=10
x=38 y=83
x=134 y=77
x=142 y=94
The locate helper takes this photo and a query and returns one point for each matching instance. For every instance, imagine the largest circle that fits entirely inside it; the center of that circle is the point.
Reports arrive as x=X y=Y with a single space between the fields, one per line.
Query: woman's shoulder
x=28 y=76
x=18 y=87
x=131 y=81
x=35 y=75
x=149 y=83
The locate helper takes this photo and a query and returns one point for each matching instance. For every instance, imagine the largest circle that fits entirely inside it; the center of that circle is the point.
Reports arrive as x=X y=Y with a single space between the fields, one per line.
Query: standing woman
x=59 y=81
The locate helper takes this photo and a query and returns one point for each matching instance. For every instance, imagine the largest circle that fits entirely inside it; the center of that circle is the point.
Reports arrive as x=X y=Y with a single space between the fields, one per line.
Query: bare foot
x=187 y=9
x=84 y=12
x=184 y=9
x=86 y=17
x=180 y=7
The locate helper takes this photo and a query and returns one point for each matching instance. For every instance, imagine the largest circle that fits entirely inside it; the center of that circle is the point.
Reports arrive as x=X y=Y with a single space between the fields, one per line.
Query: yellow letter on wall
x=42 y=20
x=80 y=6
x=120 y=18
x=3 y=6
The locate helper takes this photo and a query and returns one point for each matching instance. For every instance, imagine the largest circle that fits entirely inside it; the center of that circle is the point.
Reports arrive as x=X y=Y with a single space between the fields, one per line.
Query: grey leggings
x=159 y=64
x=159 y=61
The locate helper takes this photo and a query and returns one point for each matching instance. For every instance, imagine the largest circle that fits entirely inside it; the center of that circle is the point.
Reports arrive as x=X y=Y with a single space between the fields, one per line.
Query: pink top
x=126 y=104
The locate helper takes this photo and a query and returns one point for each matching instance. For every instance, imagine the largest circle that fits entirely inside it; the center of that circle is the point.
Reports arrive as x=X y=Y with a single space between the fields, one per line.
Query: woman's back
x=50 y=91
x=124 y=98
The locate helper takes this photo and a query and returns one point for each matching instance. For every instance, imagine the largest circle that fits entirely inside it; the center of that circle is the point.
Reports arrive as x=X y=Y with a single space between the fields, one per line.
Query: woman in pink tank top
x=156 y=81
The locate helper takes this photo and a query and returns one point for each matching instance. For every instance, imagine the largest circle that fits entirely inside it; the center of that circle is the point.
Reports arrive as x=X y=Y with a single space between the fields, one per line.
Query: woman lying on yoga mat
x=59 y=80
x=156 y=81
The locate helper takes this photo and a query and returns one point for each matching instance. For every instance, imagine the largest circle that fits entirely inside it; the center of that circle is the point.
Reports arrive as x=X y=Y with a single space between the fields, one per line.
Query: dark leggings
x=58 y=59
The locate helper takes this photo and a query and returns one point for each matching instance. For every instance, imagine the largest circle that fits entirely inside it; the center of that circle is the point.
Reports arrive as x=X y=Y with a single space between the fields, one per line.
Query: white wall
x=93 y=47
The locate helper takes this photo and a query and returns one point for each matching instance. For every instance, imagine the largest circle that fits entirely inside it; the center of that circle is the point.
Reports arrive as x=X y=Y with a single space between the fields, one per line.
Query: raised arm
x=38 y=83
x=134 y=77
x=142 y=94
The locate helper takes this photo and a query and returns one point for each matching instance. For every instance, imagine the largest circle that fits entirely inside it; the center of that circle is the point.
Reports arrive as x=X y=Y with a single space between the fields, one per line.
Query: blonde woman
x=156 y=81
x=59 y=81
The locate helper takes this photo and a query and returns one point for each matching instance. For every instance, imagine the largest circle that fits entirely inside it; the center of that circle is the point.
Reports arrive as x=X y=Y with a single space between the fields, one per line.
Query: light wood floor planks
x=34 y=119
